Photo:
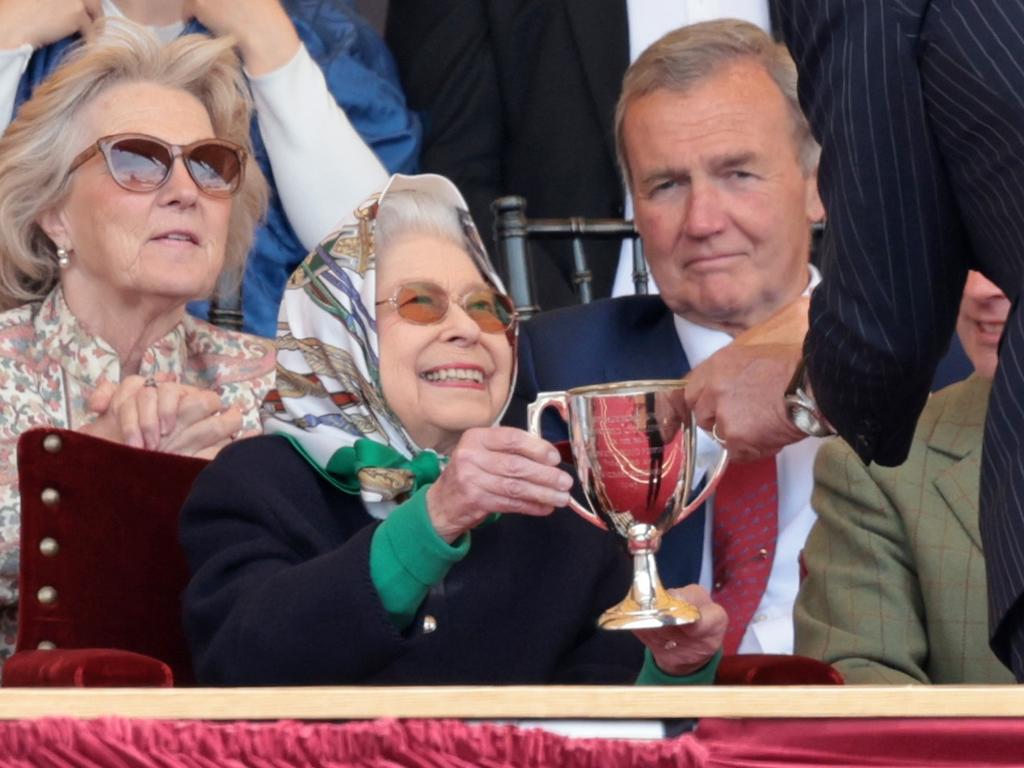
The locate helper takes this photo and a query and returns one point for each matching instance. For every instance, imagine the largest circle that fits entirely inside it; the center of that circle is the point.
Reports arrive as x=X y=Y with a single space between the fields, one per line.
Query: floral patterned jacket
x=50 y=365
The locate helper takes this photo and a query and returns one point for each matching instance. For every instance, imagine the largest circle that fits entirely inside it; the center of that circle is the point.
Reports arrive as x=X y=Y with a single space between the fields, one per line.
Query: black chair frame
x=513 y=230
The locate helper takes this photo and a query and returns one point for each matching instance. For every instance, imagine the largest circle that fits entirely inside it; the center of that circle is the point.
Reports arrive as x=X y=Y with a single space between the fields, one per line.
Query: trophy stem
x=648 y=605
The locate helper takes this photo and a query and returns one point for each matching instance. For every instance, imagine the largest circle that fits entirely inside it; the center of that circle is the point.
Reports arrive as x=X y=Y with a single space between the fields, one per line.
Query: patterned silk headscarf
x=328 y=400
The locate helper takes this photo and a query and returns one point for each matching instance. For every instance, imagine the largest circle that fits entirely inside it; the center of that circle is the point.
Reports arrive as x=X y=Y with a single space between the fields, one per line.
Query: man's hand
x=41 y=22
x=684 y=650
x=266 y=36
x=787 y=326
x=739 y=391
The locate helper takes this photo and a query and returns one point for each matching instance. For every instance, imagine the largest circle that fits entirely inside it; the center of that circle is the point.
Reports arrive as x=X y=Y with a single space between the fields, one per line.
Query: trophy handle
x=534 y=412
x=713 y=478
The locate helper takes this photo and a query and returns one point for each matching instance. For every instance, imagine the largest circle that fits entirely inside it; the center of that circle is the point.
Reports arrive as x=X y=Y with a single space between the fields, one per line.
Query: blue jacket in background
x=363 y=79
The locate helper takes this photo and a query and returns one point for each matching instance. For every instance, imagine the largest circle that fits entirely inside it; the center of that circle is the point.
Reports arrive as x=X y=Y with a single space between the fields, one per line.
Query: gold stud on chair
x=48 y=547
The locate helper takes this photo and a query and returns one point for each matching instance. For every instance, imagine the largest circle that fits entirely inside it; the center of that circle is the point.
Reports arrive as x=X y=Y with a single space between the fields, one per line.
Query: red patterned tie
x=746 y=526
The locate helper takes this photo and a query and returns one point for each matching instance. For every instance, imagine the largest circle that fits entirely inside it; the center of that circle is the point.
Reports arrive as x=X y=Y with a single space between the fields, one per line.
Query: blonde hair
x=689 y=55
x=39 y=145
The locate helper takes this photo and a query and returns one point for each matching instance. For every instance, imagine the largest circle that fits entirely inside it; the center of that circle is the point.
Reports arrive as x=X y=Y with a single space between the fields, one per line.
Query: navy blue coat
x=281 y=592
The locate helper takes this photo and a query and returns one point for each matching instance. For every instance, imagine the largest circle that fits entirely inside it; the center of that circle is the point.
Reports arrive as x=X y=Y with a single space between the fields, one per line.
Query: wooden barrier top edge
x=514 y=702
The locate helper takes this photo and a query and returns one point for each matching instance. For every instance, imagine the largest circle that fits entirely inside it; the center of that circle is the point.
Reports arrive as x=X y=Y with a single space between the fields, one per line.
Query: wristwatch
x=802 y=409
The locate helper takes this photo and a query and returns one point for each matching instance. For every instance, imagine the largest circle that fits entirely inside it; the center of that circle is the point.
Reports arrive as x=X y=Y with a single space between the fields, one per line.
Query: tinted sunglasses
x=141 y=163
x=425 y=303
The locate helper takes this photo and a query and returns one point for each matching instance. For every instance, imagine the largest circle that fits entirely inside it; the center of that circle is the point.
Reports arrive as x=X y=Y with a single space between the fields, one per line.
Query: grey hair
x=39 y=145
x=687 y=56
x=415 y=212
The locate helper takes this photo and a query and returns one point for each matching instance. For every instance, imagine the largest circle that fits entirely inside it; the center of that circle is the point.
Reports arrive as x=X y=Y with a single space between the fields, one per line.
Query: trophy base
x=666 y=612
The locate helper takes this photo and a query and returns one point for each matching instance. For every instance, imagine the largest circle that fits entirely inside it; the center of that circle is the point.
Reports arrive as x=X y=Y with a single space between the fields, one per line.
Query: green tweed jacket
x=895 y=591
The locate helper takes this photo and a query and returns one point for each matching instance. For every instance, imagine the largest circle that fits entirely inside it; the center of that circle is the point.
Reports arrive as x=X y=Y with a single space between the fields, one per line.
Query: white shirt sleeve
x=322 y=167
x=12 y=66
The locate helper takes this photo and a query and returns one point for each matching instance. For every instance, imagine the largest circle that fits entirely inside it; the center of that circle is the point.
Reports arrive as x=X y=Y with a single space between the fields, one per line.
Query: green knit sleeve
x=407 y=558
x=650 y=674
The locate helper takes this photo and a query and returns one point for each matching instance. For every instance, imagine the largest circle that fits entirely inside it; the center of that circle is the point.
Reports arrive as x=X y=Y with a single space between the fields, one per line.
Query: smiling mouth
x=471 y=376
x=178 y=237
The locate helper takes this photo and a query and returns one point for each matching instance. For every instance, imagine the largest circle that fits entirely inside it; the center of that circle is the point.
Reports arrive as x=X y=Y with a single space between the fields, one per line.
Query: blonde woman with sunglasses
x=126 y=188
x=385 y=530
x=330 y=119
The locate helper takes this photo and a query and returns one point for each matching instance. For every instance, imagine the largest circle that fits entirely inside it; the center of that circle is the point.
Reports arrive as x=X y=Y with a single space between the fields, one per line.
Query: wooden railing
x=516 y=702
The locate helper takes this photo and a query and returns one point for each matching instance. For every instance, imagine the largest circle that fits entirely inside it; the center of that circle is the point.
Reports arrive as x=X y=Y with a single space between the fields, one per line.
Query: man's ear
x=815 y=208
x=52 y=223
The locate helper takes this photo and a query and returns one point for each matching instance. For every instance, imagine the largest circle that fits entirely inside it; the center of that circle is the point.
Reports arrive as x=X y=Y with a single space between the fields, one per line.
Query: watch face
x=804 y=421
x=804 y=416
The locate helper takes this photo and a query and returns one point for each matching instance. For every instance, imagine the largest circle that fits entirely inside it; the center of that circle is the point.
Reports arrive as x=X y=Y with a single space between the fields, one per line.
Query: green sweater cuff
x=407 y=558
x=651 y=674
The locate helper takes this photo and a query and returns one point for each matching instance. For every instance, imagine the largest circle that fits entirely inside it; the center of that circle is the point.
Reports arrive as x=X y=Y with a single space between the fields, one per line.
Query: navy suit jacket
x=919 y=107
x=632 y=337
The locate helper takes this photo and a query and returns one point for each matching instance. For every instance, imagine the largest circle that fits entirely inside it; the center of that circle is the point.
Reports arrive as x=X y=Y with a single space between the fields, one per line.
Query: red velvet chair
x=102 y=573
x=775 y=669
x=101 y=569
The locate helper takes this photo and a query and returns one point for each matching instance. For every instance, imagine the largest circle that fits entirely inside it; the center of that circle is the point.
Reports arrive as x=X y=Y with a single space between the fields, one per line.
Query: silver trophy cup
x=634 y=444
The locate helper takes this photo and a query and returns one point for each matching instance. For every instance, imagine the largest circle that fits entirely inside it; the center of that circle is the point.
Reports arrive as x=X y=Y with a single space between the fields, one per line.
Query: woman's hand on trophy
x=496 y=469
x=685 y=649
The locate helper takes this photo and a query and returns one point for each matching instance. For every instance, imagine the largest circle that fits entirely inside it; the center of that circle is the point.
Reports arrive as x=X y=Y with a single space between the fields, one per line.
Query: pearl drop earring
x=63 y=260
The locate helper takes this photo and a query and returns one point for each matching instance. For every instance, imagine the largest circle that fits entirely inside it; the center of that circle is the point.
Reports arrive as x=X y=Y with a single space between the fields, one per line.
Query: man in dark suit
x=518 y=98
x=920 y=110
x=721 y=165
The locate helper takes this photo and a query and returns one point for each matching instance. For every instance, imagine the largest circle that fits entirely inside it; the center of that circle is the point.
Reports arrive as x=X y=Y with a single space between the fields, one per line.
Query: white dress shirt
x=648 y=21
x=771 y=628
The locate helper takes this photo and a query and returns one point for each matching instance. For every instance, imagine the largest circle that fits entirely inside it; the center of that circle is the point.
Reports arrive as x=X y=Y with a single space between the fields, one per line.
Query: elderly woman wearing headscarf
x=358 y=542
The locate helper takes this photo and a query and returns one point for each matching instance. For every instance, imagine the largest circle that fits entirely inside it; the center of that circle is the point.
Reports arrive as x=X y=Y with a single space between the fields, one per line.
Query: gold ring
x=715 y=435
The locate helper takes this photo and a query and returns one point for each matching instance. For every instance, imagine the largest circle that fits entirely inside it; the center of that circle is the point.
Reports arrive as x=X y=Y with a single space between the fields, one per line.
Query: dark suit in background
x=518 y=98
x=919 y=107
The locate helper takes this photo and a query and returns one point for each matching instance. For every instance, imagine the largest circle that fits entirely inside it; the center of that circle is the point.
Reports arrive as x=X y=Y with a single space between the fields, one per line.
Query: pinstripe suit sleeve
x=894 y=251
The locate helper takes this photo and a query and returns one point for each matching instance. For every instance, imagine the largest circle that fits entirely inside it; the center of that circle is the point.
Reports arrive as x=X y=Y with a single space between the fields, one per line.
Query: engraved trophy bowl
x=634 y=444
